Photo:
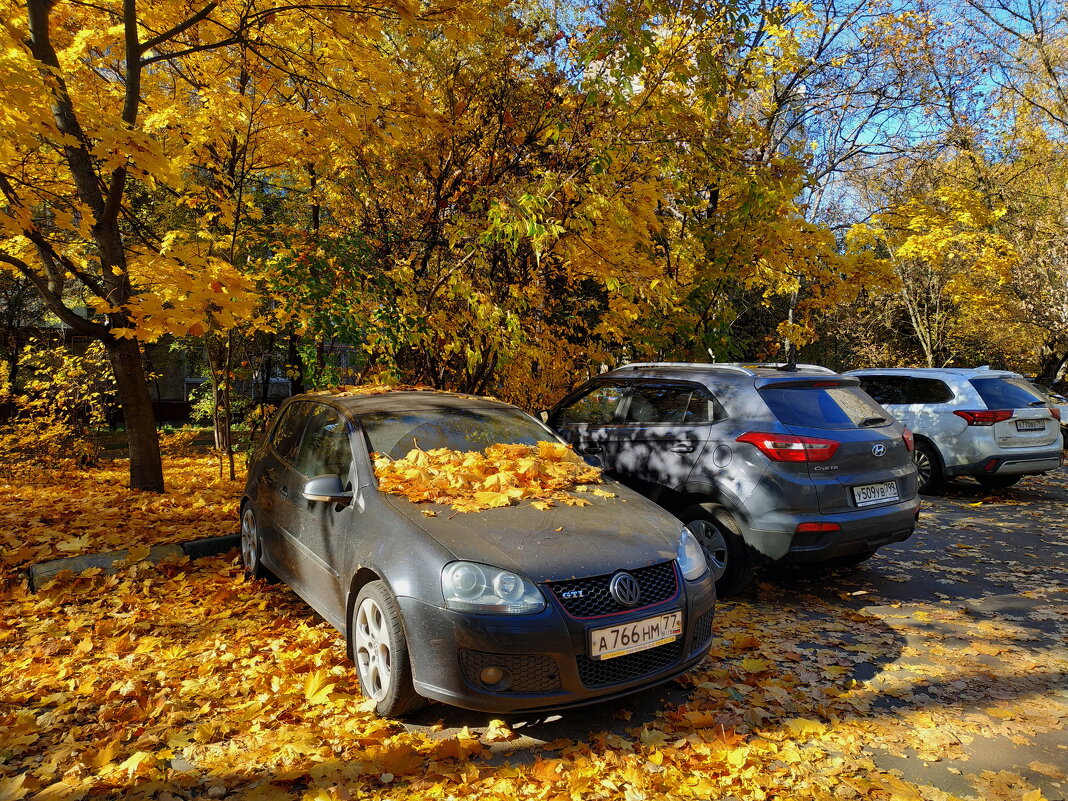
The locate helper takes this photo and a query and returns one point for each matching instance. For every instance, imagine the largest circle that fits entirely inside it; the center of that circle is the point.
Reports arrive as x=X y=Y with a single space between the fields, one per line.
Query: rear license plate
x=637 y=635
x=1030 y=425
x=868 y=494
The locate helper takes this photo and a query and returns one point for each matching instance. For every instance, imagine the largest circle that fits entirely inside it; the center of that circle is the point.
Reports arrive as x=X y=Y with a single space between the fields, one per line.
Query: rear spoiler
x=795 y=380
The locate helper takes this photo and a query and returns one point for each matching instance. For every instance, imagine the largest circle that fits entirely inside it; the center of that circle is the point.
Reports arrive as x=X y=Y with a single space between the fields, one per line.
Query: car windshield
x=396 y=433
x=840 y=407
x=1007 y=393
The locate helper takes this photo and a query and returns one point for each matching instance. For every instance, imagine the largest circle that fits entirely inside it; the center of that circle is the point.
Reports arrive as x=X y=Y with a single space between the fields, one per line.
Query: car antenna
x=791 y=362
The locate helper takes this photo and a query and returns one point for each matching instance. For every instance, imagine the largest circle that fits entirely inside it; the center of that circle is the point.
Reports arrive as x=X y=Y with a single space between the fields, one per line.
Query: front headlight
x=472 y=587
x=690 y=556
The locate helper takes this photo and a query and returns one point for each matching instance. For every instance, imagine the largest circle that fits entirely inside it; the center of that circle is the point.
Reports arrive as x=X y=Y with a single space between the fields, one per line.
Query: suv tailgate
x=871 y=465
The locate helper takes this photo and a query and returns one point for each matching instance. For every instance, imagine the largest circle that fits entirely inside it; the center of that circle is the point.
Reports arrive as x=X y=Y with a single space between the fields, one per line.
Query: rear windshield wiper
x=1039 y=403
x=872 y=421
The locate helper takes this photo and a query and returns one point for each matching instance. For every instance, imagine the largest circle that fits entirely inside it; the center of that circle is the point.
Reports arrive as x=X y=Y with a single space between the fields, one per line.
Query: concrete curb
x=109 y=562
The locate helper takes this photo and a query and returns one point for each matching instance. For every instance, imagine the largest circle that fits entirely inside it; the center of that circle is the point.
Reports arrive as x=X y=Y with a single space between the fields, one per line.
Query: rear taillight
x=910 y=441
x=1056 y=412
x=790 y=448
x=984 y=417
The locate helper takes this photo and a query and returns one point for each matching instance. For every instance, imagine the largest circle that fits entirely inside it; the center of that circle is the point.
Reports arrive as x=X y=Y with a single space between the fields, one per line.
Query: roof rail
x=720 y=366
x=782 y=365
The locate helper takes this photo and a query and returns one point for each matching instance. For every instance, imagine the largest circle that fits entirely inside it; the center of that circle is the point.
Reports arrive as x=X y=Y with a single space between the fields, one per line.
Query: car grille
x=531 y=673
x=601 y=673
x=658 y=583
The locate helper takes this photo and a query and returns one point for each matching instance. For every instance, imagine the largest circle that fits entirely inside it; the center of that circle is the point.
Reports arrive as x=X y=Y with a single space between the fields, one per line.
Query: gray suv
x=763 y=463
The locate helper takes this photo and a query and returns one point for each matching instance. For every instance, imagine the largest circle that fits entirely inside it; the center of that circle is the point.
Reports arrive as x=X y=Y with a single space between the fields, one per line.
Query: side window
x=652 y=403
x=929 y=390
x=886 y=389
x=325 y=447
x=286 y=433
x=599 y=405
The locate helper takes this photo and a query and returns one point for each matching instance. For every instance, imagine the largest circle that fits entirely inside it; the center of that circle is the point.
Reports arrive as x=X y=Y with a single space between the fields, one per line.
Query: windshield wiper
x=1039 y=403
x=872 y=421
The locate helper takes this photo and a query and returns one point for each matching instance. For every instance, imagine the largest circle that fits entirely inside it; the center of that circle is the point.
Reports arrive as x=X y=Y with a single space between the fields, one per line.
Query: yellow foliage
x=500 y=475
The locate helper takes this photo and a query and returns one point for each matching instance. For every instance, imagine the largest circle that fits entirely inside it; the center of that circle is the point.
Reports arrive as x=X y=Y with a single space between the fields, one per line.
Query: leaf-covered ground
x=935 y=671
x=63 y=510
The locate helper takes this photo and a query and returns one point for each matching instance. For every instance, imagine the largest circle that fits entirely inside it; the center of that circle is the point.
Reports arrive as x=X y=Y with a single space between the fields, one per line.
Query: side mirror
x=327 y=489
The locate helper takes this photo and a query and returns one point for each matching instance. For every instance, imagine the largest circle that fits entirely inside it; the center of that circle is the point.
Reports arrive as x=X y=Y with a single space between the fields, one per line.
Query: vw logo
x=878 y=450
x=625 y=589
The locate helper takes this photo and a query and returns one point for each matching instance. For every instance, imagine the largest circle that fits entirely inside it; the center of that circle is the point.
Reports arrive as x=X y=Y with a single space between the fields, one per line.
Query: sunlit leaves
x=59 y=509
x=500 y=475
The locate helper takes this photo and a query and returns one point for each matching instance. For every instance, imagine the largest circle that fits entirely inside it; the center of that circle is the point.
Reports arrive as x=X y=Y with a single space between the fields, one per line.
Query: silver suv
x=763 y=463
x=990 y=424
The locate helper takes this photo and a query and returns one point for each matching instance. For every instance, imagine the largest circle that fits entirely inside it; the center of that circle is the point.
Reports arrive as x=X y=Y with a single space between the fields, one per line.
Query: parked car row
x=721 y=468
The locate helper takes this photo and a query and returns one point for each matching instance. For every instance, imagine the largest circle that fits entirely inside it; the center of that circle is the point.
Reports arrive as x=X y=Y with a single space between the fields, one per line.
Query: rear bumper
x=1010 y=464
x=860 y=531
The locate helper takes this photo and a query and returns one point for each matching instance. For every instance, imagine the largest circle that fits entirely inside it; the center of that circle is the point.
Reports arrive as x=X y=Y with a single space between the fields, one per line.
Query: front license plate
x=1030 y=425
x=638 y=635
x=875 y=493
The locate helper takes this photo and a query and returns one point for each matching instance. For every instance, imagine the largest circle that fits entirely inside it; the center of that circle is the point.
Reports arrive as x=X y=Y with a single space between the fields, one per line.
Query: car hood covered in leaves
x=563 y=542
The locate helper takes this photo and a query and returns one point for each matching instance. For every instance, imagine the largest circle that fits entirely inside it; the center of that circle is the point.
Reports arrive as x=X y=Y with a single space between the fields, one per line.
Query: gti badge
x=878 y=450
x=567 y=596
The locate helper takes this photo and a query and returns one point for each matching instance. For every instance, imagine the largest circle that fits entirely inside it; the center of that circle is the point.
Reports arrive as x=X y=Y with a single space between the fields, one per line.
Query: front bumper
x=544 y=655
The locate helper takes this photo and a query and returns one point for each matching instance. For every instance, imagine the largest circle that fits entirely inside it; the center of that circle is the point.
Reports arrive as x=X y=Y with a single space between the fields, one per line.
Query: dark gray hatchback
x=763 y=463
x=504 y=610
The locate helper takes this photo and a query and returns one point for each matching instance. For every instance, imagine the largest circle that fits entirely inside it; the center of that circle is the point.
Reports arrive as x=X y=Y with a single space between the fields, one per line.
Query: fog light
x=491 y=675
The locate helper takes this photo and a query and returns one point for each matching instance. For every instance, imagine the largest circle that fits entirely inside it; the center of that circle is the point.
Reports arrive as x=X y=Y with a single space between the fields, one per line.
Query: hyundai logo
x=878 y=450
x=625 y=589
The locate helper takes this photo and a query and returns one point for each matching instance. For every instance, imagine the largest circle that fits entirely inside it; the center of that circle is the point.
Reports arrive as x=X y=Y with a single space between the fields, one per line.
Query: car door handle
x=591 y=448
x=283 y=491
x=682 y=447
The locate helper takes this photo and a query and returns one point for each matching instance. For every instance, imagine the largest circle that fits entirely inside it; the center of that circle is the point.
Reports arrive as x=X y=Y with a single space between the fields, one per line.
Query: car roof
x=690 y=370
x=938 y=372
x=355 y=401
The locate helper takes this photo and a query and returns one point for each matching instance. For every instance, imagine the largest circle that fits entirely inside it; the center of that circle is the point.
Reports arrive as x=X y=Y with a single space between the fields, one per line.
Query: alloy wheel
x=924 y=467
x=250 y=541
x=714 y=545
x=373 y=650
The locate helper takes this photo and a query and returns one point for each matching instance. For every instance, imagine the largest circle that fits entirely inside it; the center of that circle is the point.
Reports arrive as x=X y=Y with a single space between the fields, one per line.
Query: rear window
x=830 y=407
x=1007 y=393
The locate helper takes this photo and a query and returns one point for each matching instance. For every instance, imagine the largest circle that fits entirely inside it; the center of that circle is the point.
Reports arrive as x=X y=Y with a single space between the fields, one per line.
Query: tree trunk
x=1050 y=364
x=296 y=382
x=146 y=467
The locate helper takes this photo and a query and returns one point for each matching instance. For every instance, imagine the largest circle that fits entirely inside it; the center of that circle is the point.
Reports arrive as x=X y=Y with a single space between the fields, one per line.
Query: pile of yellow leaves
x=498 y=476
x=66 y=510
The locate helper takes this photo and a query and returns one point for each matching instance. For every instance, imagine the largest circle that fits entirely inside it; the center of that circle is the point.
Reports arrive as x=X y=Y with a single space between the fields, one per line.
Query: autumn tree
x=103 y=102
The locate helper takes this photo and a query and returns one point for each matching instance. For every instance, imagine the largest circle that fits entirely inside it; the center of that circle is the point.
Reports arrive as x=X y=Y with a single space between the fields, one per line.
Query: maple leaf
x=316 y=690
x=803 y=727
x=11 y=788
x=498 y=732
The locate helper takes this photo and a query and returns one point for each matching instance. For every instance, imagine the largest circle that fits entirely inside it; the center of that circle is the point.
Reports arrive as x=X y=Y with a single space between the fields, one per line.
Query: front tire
x=380 y=652
x=928 y=467
x=731 y=561
x=252 y=546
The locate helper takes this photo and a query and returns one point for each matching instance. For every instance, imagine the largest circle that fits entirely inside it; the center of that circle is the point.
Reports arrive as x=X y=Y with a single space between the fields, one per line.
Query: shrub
x=66 y=399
